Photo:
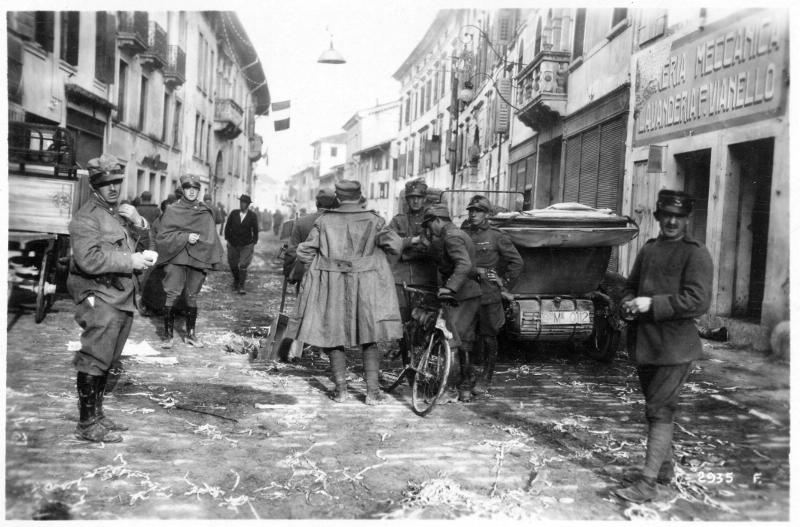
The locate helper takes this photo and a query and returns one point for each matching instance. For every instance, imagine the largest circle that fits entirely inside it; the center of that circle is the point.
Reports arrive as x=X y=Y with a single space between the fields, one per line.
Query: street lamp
x=330 y=55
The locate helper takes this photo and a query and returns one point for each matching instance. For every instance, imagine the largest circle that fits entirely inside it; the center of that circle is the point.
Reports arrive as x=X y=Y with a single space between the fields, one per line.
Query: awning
x=79 y=94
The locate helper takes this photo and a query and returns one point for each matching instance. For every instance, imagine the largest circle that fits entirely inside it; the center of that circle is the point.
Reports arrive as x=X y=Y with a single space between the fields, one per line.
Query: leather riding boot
x=102 y=384
x=113 y=375
x=489 y=360
x=371 y=356
x=242 y=280
x=89 y=428
x=339 y=368
x=467 y=374
x=191 y=322
x=169 y=326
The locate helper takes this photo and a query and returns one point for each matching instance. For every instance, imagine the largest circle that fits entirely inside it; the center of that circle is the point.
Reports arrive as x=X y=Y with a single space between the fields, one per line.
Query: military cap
x=326 y=198
x=674 y=202
x=416 y=187
x=245 y=197
x=190 y=180
x=437 y=210
x=480 y=203
x=207 y=197
x=104 y=169
x=147 y=196
x=348 y=190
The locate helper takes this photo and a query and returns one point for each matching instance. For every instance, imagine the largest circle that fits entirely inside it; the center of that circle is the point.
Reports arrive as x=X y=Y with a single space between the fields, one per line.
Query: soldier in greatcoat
x=669 y=286
x=102 y=284
x=347 y=296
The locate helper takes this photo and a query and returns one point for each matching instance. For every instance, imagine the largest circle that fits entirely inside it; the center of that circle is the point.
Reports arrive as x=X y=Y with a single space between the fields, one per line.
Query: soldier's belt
x=355 y=265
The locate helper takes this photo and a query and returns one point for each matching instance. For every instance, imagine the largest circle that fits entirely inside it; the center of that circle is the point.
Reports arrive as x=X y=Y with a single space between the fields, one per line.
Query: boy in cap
x=346 y=297
x=456 y=265
x=494 y=252
x=241 y=233
x=101 y=281
x=669 y=285
x=188 y=247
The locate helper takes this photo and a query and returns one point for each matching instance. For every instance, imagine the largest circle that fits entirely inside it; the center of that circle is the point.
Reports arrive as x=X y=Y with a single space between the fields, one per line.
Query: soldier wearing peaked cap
x=241 y=233
x=188 y=247
x=346 y=296
x=498 y=264
x=101 y=281
x=669 y=285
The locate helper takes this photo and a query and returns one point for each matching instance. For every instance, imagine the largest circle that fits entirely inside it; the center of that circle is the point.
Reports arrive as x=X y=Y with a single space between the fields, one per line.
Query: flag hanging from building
x=280 y=117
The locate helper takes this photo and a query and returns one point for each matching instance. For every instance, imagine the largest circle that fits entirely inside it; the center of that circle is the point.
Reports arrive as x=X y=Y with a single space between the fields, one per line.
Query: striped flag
x=280 y=117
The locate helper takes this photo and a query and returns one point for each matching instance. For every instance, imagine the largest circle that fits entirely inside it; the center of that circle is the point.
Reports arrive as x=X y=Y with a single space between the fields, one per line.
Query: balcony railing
x=133 y=30
x=38 y=144
x=542 y=89
x=155 y=56
x=228 y=118
x=175 y=70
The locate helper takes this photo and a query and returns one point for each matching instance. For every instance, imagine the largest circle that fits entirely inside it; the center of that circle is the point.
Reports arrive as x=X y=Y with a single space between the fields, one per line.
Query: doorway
x=694 y=169
x=753 y=162
x=547 y=189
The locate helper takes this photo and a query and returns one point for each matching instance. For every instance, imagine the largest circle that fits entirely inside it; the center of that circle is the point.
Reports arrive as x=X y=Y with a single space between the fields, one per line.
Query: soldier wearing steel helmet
x=101 y=281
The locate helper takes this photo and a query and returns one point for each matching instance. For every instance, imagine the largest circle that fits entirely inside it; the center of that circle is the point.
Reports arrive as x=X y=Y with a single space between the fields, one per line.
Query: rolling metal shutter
x=590 y=151
x=573 y=168
x=612 y=164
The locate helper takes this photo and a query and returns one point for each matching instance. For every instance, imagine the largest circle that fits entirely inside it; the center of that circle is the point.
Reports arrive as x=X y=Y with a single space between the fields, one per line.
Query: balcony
x=175 y=70
x=228 y=118
x=542 y=89
x=133 y=31
x=43 y=145
x=155 y=56
x=256 y=144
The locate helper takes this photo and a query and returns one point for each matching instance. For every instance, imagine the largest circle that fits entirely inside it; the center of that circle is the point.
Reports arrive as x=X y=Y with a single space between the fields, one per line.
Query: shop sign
x=730 y=73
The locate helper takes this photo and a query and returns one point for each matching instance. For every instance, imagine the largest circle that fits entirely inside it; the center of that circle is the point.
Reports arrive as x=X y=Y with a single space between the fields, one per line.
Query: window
x=408 y=107
x=70 y=26
x=165 y=118
x=122 y=85
x=577 y=39
x=230 y=162
x=238 y=160
x=383 y=190
x=653 y=23
x=208 y=142
x=211 y=68
x=104 y=46
x=44 y=29
x=198 y=132
x=176 y=124
x=428 y=95
x=620 y=14
x=372 y=191
x=143 y=103
x=334 y=151
x=202 y=49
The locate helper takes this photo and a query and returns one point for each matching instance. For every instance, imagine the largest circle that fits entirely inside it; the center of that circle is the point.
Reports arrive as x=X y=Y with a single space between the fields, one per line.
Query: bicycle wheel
x=406 y=355
x=431 y=374
x=44 y=300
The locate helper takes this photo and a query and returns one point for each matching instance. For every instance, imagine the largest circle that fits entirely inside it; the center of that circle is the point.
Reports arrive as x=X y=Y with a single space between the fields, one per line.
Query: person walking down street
x=101 y=282
x=188 y=247
x=277 y=220
x=149 y=211
x=241 y=233
x=294 y=269
x=669 y=285
x=460 y=284
x=347 y=296
x=499 y=265
x=220 y=212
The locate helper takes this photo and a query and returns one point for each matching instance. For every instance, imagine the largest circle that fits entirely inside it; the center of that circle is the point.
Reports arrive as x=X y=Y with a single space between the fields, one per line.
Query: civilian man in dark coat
x=149 y=211
x=241 y=233
x=669 y=285
x=101 y=281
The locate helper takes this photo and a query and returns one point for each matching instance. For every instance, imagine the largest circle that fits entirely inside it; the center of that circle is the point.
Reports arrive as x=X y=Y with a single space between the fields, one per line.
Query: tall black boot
x=191 y=321
x=169 y=326
x=242 y=280
x=339 y=369
x=102 y=384
x=489 y=360
x=371 y=357
x=467 y=374
x=88 y=427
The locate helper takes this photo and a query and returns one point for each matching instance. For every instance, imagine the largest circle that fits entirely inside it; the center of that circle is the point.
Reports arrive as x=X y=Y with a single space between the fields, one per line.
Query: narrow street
x=214 y=435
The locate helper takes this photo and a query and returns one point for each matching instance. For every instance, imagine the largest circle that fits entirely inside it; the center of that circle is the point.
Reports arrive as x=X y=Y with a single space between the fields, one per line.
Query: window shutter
x=45 y=29
x=105 y=47
x=612 y=163
x=436 y=150
x=503 y=110
x=590 y=152
x=572 y=168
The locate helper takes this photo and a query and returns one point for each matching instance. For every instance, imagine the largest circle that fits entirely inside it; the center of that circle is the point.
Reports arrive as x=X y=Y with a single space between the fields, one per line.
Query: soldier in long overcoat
x=669 y=286
x=347 y=296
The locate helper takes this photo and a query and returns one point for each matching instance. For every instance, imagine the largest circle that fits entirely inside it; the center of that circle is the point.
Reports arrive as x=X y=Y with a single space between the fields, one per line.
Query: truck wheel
x=603 y=343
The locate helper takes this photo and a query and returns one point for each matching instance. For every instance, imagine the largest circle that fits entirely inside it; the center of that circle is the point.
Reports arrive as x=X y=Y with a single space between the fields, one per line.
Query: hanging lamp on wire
x=330 y=55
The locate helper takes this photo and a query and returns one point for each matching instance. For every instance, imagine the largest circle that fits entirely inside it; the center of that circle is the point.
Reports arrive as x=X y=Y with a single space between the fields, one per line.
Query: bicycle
x=425 y=349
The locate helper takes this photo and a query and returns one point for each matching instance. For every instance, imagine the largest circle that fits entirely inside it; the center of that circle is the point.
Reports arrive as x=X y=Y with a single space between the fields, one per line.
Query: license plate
x=565 y=317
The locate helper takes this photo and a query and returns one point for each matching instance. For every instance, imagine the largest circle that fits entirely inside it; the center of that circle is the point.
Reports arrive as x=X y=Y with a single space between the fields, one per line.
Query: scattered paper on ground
x=142 y=349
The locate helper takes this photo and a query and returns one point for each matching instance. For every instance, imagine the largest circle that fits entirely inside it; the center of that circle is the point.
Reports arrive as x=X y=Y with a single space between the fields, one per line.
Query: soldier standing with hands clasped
x=669 y=285
x=101 y=282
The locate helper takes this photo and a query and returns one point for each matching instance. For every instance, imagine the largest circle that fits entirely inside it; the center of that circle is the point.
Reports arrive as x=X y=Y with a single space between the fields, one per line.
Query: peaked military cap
x=326 y=198
x=416 y=187
x=437 y=210
x=104 y=169
x=348 y=190
x=674 y=202
x=480 y=203
x=190 y=180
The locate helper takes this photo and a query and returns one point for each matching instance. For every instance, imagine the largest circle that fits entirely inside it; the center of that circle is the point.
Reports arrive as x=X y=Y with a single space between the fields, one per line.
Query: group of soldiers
x=351 y=267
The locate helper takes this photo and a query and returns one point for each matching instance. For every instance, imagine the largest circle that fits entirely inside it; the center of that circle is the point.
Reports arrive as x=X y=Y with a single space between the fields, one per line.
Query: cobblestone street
x=215 y=435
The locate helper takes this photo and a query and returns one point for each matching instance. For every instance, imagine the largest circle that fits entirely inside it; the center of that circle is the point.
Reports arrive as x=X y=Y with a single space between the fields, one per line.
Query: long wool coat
x=347 y=296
